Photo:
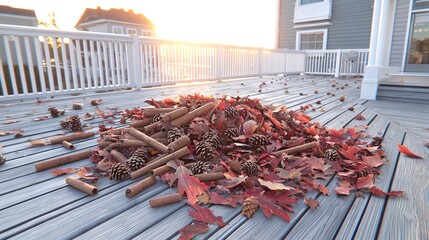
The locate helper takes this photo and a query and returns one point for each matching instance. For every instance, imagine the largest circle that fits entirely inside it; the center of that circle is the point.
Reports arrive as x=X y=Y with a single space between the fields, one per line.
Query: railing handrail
x=39 y=62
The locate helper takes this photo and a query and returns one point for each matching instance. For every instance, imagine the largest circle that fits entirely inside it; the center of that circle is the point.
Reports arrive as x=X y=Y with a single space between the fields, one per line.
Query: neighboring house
x=324 y=24
x=116 y=21
x=398 y=64
x=17 y=16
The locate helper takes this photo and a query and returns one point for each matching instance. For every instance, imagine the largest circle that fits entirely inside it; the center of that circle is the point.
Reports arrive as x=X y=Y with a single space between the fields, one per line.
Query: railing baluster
x=65 y=64
x=10 y=65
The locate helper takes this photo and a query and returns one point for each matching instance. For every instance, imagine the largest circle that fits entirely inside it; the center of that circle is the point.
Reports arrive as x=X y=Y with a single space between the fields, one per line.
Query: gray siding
x=22 y=21
x=351 y=24
x=287 y=35
x=399 y=33
x=350 y=29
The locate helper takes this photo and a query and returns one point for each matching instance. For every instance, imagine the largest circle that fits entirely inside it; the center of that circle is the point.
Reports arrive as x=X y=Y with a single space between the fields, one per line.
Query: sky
x=238 y=22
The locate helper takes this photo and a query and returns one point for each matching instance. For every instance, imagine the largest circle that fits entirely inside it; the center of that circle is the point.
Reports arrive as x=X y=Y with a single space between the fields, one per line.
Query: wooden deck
x=38 y=205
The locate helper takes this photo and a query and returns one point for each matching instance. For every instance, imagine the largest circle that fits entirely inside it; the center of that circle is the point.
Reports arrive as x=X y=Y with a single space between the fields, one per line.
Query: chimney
x=131 y=11
x=98 y=11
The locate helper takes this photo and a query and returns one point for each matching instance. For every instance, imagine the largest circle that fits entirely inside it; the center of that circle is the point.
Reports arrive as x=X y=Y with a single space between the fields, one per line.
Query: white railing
x=40 y=62
x=350 y=62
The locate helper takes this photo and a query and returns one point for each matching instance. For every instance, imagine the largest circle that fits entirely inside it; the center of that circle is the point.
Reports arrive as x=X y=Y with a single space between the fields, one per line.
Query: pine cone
x=212 y=138
x=249 y=168
x=65 y=123
x=77 y=106
x=250 y=205
x=204 y=150
x=54 y=112
x=257 y=140
x=174 y=133
x=201 y=167
x=157 y=118
x=75 y=124
x=332 y=154
x=137 y=160
x=2 y=159
x=233 y=132
x=119 y=172
x=230 y=112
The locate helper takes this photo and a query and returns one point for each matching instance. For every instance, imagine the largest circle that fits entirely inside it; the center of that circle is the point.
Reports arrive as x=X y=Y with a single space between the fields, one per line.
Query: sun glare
x=238 y=22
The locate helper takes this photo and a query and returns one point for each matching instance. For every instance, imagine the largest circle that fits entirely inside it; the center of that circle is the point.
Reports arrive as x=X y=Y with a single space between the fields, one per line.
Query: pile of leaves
x=279 y=181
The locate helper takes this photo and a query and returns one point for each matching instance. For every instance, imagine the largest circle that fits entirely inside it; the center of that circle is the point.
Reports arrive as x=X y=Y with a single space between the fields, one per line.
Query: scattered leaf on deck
x=189 y=231
x=403 y=149
x=188 y=184
x=360 y=117
x=313 y=204
x=10 y=121
x=206 y=215
x=274 y=185
x=43 y=118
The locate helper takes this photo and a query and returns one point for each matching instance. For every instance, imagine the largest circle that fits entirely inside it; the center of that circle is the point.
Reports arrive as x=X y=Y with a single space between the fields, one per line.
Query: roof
x=114 y=14
x=17 y=11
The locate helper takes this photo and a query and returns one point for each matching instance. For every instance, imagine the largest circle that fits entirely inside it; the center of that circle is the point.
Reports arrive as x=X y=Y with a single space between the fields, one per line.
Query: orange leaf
x=403 y=149
x=313 y=204
x=312 y=130
x=360 y=117
x=303 y=118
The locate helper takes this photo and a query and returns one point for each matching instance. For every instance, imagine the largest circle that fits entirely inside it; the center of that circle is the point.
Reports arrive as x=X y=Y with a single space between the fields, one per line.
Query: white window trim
x=117 y=27
x=299 y=33
x=132 y=29
x=146 y=31
x=298 y=2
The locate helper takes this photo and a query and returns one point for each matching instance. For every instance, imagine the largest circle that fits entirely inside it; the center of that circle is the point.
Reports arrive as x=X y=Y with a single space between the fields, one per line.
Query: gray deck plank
x=44 y=207
x=407 y=217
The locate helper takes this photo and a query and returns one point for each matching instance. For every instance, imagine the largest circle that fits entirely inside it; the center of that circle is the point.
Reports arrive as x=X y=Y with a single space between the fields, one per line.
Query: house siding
x=22 y=21
x=399 y=33
x=351 y=24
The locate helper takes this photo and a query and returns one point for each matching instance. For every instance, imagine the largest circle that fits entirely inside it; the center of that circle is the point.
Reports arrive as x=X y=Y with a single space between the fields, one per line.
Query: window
x=146 y=33
x=311 y=39
x=117 y=30
x=420 y=4
x=131 y=31
x=304 y=2
x=418 y=45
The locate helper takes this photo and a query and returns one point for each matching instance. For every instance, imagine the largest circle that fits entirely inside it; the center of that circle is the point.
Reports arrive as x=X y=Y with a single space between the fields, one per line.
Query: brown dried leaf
x=59 y=172
x=87 y=117
x=10 y=121
x=249 y=127
x=274 y=185
x=313 y=204
x=43 y=118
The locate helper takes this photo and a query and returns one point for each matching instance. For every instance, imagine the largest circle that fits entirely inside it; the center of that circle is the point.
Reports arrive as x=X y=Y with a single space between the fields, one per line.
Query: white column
x=374 y=32
x=384 y=39
x=378 y=64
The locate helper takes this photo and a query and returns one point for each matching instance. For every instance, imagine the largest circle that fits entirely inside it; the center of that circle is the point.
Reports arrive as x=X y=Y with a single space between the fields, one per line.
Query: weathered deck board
x=40 y=205
x=407 y=217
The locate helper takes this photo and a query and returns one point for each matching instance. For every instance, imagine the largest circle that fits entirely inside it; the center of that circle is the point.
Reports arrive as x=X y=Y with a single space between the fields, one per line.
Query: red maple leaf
x=303 y=118
x=269 y=208
x=189 y=231
x=344 y=188
x=403 y=149
x=360 y=117
x=216 y=198
x=373 y=161
x=206 y=215
x=365 y=182
x=379 y=192
x=189 y=184
x=59 y=172
x=350 y=152
x=312 y=130
x=276 y=123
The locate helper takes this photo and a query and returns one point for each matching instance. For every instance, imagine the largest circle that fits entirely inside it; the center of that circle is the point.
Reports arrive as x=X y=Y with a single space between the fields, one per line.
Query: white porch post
x=379 y=52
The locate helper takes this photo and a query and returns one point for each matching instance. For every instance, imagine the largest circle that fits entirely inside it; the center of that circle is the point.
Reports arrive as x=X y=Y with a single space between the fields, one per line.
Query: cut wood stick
x=118 y=157
x=140 y=186
x=167 y=117
x=81 y=185
x=296 y=149
x=165 y=200
x=156 y=126
x=163 y=169
x=68 y=145
x=116 y=131
x=183 y=141
x=132 y=143
x=59 y=161
x=160 y=134
x=207 y=177
x=159 y=162
x=150 y=141
x=72 y=137
x=150 y=112
x=187 y=118
x=141 y=123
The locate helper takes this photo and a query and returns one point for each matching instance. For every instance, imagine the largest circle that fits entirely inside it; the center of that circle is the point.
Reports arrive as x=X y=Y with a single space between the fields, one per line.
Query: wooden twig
x=72 y=137
x=187 y=118
x=165 y=200
x=81 y=185
x=296 y=149
x=140 y=187
x=59 y=161
x=150 y=141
